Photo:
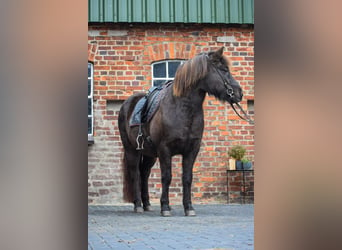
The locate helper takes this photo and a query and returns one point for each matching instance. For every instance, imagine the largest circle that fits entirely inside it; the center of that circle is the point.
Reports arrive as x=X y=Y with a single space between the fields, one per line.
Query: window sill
x=90 y=139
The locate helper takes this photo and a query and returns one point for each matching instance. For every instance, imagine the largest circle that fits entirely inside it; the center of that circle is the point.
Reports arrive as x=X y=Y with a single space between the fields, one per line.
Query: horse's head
x=219 y=82
x=208 y=72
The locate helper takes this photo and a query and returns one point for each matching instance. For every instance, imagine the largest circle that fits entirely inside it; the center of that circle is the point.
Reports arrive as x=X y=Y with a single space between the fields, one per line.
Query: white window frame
x=91 y=78
x=167 y=78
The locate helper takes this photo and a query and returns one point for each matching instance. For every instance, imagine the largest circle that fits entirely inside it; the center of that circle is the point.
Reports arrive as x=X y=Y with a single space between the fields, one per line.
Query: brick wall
x=122 y=56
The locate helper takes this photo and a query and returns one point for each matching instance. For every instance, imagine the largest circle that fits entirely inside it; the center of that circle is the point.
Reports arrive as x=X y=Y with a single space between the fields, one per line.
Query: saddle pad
x=148 y=105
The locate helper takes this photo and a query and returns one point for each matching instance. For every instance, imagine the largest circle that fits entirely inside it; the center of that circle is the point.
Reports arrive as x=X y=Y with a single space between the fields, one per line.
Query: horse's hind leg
x=133 y=161
x=145 y=171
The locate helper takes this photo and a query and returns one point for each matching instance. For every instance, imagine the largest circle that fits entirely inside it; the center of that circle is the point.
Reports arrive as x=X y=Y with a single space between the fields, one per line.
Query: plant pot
x=231 y=165
x=247 y=165
x=238 y=165
x=243 y=165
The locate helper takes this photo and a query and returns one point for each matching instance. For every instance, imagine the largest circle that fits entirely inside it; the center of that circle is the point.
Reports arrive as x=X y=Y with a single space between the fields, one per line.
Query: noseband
x=230 y=93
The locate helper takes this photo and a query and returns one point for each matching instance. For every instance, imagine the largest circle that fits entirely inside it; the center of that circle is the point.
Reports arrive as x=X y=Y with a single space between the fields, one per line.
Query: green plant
x=244 y=160
x=237 y=152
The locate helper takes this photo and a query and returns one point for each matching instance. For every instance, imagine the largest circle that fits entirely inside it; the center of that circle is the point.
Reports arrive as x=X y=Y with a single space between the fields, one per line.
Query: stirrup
x=140 y=145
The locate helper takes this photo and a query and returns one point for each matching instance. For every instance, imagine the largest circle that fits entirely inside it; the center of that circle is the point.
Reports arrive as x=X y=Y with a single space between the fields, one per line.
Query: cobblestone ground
x=215 y=227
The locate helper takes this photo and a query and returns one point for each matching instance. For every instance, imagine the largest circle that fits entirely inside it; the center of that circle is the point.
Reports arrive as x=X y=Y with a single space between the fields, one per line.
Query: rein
x=246 y=118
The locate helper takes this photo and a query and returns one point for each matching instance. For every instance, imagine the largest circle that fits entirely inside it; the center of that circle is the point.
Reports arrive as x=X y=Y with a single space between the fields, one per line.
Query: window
x=90 y=100
x=250 y=107
x=164 y=70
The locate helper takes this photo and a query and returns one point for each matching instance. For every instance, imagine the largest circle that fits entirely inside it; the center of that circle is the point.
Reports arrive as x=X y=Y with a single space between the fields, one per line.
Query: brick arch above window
x=172 y=50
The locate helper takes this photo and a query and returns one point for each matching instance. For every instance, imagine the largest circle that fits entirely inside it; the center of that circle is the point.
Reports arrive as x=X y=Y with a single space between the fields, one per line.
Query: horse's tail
x=128 y=181
x=130 y=155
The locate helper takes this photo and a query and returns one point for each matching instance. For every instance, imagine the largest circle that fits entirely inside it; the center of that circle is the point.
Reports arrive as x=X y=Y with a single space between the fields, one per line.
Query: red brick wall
x=122 y=56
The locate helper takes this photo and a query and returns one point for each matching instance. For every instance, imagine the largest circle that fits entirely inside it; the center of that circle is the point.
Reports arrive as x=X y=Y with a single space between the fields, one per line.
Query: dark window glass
x=250 y=107
x=173 y=68
x=89 y=125
x=89 y=106
x=89 y=70
x=89 y=86
x=159 y=70
x=156 y=83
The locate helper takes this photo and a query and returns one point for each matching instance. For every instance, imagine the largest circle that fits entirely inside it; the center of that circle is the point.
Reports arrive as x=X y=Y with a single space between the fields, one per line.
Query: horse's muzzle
x=236 y=96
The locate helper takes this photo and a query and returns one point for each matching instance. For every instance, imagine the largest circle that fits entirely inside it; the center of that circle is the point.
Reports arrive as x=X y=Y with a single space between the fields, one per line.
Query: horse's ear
x=219 y=52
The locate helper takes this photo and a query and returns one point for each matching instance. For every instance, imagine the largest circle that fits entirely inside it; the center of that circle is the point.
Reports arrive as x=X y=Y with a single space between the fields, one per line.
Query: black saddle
x=148 y=105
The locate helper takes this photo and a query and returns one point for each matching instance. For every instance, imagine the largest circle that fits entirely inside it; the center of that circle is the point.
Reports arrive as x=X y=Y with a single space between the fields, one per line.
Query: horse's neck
x=192 y=101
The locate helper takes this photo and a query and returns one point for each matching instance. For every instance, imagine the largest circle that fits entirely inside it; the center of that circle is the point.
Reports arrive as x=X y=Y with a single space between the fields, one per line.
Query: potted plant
x=237 y=152
x=246 y=164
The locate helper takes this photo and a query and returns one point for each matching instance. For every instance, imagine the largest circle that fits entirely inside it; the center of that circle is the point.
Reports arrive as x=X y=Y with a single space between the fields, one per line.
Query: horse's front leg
x=188 y=162
x=166 y=176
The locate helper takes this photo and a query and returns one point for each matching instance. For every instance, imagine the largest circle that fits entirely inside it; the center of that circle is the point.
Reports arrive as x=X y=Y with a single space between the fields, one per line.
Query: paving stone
x=219 y=226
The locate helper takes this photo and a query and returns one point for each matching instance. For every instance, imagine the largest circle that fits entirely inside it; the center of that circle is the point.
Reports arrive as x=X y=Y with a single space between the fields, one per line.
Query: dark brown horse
x=176 y=128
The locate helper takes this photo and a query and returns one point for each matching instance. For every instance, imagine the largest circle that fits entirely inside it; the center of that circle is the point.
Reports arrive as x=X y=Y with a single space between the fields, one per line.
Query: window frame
x=167 y=61
x=91 y=97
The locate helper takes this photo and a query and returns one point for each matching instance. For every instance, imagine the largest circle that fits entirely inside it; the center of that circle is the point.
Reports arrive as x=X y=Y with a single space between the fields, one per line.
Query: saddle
x=148 y=105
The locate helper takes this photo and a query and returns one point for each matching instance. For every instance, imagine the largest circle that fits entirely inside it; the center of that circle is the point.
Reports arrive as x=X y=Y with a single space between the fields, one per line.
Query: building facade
x=126 y=56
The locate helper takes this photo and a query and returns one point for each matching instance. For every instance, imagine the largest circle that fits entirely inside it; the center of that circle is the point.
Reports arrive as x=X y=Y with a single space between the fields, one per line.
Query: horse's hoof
x=138 y=210
x=166 y=213
x=190 y=213
x=148 y=208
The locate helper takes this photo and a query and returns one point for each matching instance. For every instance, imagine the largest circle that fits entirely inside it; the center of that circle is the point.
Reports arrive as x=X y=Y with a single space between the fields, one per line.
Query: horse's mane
x=189 y=73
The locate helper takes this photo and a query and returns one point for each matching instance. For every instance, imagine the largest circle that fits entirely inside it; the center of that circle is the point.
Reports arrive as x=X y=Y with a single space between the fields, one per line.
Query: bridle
x=230 y=93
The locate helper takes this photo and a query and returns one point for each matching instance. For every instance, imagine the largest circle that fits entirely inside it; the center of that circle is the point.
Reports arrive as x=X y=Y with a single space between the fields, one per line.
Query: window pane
x=89 y=87
x=250 y=106
x=89 y=106
x=89 y=125
x=89 y=69
x=159 y=70
x=173 y=68
x=156 y=83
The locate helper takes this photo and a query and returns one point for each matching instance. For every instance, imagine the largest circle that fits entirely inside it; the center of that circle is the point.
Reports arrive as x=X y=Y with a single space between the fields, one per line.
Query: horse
x=176 y=128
